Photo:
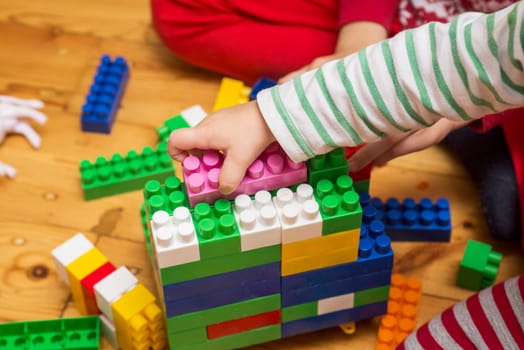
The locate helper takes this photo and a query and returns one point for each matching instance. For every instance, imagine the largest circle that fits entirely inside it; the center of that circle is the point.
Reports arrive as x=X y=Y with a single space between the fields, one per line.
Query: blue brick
x=238 y=279
x=375 y=255
x=425 y=221
x=334 y=288
x=261 y=84
x=333 y=319
x=105 y=94
x=221 y=297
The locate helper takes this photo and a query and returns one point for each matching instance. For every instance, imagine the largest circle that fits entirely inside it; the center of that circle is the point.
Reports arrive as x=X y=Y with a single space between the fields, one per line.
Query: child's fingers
x=183 y=140
x=231 y=173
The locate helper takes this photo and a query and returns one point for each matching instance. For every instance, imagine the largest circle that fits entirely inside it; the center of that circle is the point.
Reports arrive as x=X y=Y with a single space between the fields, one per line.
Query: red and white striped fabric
x=490 y=319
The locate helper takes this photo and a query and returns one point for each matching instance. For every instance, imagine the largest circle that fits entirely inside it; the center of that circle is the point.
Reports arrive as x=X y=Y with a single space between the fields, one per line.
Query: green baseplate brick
x=339 y=205
x=82 y=333
x=479 y=266
x=107 y=177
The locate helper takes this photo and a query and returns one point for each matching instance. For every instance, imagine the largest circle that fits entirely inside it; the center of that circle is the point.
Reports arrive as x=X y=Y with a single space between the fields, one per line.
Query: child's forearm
x=462 y=70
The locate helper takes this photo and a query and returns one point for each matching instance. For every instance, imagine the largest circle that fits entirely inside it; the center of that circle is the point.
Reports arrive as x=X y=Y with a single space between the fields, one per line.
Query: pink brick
x=272 y=170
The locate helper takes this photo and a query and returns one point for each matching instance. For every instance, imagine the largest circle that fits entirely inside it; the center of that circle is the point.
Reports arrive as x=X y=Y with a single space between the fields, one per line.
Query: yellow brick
x=132 y=313
x=78 y=270
x=231 y=93
x=316 y=262
x=320 y=245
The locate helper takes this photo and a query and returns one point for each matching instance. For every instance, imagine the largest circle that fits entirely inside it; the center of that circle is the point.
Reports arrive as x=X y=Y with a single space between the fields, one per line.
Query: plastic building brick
x=412 y=221
x=174 y=238
x=105 y=94
x=299 y=214
x=231 y=93
x=138 y=320
x=339 y=205
x=336 y=303
x=244 y=324
x=112 y=288
x=227 y=280
x=271 y=170
x=257 y=221
x=80 y=269
x=217 y=230
x=68 y=252
x=107 y=177
x=261 y=84
x=167 y=196
x=400 y=320
x=327 y=166
x=88 y=286
x=479 y=266
x=59 y=334
x=319 y=252
x=188 y=118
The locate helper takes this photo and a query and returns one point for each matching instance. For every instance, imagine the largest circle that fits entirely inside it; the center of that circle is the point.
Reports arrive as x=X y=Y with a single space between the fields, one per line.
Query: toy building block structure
x=131 y=317
x=106 y=177
x=188 y=118
x=411 y=221
x=261 y=84
x=231 y=93
x=272 y=169
x=81 y=333
x=105 y=95
x=400 y=320
x=479 y=266
x=294 y=259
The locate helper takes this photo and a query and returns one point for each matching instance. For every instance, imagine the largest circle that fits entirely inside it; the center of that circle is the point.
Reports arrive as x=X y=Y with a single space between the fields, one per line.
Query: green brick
x=204 y=268
x=171 y=124
x=188 y=337
x=297 y=312
x=82 y=333
x=339 y=205
x=166 y=196
x=479 y=266
x=217 y=230
x=235 y=341
x=371 y=296
x=107 y=177
x=223 y=313
x=327 y=166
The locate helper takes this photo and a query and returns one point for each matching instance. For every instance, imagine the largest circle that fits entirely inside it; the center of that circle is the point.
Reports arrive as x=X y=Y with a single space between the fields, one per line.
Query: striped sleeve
x=462 y=70
x=490 y=319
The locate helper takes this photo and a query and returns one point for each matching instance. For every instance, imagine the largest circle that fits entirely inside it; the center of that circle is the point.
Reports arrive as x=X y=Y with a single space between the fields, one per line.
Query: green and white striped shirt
x=462 y=70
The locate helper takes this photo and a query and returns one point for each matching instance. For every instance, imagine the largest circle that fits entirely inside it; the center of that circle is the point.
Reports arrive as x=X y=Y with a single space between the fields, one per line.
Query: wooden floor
x=49 y=50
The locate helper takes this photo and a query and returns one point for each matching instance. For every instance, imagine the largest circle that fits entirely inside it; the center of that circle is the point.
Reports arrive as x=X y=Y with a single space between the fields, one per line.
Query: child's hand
x=240 y=132
x=379 y=153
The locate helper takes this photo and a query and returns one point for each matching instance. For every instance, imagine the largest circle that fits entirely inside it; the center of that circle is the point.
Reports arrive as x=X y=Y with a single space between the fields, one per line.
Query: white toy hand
x=7 y=170
x=11 y=110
